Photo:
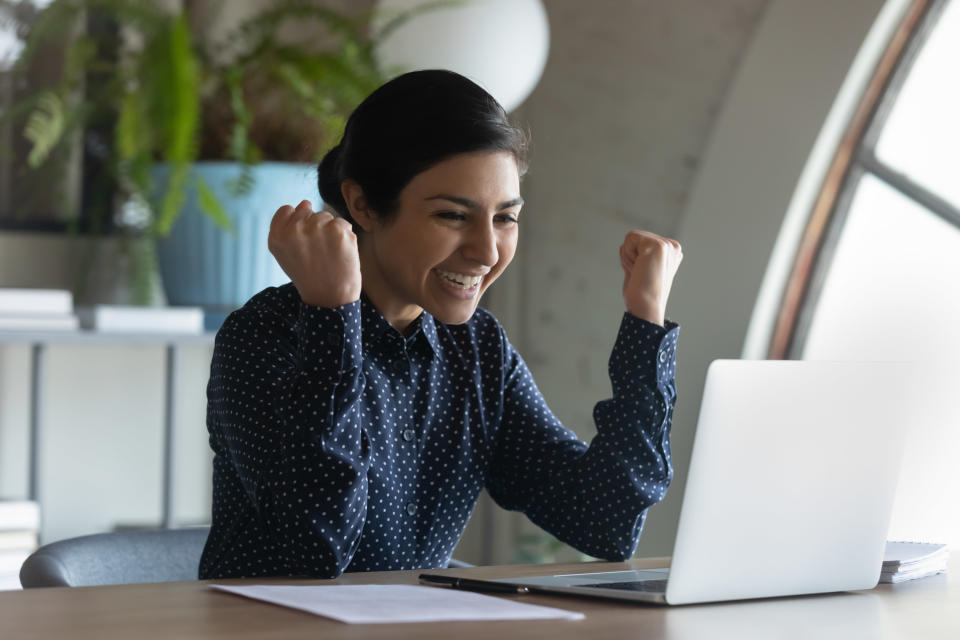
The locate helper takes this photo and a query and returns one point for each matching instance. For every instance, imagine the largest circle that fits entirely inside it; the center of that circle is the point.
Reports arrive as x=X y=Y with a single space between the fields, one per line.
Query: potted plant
x=177 y=125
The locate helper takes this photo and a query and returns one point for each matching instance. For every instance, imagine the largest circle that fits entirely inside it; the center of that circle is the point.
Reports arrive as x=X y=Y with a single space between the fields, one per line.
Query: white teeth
x=460 y=280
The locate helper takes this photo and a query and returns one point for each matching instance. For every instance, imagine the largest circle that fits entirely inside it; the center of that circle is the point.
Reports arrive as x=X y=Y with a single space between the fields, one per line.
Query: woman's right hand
x=649 y=263
x=318 y=251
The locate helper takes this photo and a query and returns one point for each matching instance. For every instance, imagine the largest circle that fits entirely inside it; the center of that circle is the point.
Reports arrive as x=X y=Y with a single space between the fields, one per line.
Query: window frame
x=854 y=158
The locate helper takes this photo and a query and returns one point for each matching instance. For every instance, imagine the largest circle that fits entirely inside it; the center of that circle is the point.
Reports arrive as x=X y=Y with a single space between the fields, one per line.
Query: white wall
x=785 y=88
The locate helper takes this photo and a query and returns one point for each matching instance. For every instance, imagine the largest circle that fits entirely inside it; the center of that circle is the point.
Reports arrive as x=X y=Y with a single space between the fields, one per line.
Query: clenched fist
x=649 y=264
x=319 y=253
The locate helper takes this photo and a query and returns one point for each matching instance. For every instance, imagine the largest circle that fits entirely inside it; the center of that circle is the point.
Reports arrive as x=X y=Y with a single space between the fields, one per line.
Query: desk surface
x=927 y=608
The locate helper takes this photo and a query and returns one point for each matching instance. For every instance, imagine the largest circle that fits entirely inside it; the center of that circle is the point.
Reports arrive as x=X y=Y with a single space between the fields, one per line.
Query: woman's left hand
x=649 y=264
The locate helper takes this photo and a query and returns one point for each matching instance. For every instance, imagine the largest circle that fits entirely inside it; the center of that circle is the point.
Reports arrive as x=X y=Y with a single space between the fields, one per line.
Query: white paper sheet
x=381 y=603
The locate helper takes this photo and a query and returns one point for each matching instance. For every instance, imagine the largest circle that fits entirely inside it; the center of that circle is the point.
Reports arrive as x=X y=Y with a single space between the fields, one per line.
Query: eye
x=451 y=215
x=507 y=218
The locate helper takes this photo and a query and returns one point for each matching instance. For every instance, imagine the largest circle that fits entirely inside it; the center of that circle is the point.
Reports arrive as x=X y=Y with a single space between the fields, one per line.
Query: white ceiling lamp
x=501 y=45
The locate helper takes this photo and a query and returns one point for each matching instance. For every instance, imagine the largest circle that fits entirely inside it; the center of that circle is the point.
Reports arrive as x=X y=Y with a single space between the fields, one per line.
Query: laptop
x=790 y=486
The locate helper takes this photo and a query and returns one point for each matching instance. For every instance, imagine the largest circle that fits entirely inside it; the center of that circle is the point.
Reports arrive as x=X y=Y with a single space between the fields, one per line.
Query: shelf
x=38 y=341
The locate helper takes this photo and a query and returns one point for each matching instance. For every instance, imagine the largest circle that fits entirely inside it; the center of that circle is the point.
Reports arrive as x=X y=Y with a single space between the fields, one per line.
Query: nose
x=481 y=246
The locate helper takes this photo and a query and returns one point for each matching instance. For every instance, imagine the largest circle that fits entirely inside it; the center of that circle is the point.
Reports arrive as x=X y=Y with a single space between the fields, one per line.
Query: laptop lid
x=791 y=485
x=792 y=479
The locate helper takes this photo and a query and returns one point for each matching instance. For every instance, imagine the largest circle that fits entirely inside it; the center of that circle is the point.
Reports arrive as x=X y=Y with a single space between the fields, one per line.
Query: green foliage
x=173 y=110
x=240 y=148
x=170 y=95
x=211 y=205
x=44 y=127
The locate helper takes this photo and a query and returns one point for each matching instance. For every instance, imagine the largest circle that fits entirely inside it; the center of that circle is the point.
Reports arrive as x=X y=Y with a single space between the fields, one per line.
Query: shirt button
x=400 y=365
x=663 y=356
x=411 y=508
x=409 y=434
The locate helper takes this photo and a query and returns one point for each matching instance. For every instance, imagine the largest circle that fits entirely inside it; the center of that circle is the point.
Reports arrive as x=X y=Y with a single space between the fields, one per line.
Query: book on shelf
x=19 y=528
x=904 y=561
x=13 y=540
x=36 y=310
x=19 y=515
x=129 y=319
x=38 y=322
x=35 y=301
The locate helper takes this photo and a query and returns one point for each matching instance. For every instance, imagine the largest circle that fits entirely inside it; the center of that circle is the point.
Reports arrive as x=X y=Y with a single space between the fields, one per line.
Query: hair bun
x=329 y=177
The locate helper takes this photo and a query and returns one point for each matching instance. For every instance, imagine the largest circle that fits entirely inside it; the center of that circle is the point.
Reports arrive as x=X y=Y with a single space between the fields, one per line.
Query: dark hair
x=408 y=125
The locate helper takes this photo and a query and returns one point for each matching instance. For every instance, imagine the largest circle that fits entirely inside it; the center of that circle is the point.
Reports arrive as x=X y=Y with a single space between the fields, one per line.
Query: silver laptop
x=790 y=487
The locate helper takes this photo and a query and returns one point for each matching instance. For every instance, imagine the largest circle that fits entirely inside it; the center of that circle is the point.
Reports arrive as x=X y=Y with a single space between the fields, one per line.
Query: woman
x=356 y=413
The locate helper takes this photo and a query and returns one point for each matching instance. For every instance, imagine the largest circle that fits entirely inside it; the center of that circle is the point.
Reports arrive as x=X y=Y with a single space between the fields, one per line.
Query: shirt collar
x=376 y=329
x=428 y=326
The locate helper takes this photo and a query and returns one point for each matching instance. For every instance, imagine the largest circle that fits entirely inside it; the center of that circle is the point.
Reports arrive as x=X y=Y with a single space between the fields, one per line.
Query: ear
x=360 y=211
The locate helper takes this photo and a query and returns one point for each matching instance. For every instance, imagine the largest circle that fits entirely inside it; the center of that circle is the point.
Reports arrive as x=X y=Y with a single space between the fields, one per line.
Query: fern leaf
x=240 y=138
x=45 y=127
x=49 y=25
x=212 y=207
x=172 y=97
x=184 y=98
x=397 y=20
x=131 y=125
x=172 y=201
x=243 y=184
x=262 y=28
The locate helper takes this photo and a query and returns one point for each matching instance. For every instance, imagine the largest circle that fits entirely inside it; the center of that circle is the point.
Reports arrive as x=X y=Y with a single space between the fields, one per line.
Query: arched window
x=877 y=274
x=882 y=248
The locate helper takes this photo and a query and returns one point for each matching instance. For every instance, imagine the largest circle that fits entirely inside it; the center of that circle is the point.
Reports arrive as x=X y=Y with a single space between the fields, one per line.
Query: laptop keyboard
x=646 y=586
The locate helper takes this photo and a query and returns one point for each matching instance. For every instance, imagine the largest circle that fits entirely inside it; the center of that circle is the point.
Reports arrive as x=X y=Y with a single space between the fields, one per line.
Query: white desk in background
x=38 y=343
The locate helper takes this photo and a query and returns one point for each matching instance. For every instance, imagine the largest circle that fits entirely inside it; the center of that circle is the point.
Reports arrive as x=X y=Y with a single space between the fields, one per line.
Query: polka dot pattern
x=341 y=445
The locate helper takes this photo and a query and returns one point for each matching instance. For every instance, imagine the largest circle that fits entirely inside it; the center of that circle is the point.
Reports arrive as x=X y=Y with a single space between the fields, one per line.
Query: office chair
x=166 y=555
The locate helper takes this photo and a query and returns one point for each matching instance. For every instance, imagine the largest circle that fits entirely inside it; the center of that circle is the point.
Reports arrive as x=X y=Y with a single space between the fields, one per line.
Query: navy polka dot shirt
x=341 y=445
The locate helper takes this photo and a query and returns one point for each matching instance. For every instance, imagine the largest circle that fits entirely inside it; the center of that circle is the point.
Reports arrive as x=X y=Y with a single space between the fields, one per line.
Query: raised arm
x=595 y=497
x=592 y=497
x=283 y=411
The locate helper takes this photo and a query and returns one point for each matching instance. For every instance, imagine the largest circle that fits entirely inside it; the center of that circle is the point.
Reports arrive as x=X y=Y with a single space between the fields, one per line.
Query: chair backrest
x=116 y=558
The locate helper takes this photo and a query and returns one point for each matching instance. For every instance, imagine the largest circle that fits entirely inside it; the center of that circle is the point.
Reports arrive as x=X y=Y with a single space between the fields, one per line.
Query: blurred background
x=804 y=152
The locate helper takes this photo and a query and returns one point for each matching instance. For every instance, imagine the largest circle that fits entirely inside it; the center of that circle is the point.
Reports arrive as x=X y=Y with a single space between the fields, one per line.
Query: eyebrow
x=470 y=204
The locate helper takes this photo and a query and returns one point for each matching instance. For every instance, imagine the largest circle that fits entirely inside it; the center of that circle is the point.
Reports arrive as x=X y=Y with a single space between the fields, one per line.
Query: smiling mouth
x=460 y=280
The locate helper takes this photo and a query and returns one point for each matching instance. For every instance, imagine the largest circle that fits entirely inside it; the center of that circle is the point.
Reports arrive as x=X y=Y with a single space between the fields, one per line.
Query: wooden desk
x=928 y=608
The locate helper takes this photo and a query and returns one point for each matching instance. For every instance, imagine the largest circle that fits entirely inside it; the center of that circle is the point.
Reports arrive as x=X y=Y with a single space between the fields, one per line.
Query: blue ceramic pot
x=205 y=266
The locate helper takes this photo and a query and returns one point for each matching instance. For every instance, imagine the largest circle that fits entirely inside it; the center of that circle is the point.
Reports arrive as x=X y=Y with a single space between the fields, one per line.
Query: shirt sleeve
x=283 y=412
x=593 y=497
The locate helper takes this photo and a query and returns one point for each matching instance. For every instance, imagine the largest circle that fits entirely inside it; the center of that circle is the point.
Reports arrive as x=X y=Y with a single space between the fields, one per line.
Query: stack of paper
x=911 y=560
x=36 y=310
x=19 y=523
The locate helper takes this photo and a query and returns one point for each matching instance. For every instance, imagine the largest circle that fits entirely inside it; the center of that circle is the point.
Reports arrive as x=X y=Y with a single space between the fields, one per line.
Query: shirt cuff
x=644 y=354
x=330 y=339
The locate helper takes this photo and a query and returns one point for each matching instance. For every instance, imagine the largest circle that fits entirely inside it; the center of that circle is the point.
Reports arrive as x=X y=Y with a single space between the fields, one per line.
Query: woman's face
x=454 y=233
